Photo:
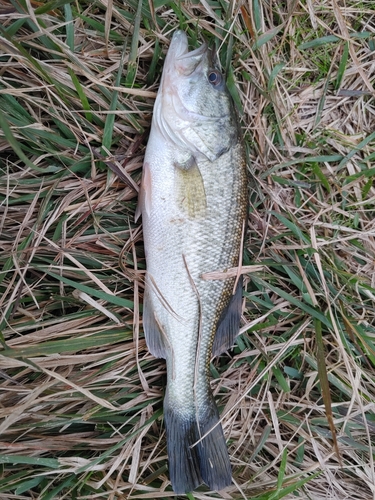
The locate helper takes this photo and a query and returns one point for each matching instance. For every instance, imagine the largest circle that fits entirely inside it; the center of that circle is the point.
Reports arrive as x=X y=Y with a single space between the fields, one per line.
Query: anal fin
x=229 y=323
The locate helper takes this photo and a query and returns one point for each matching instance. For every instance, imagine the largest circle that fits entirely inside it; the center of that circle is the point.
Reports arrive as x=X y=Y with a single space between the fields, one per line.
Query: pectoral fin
x=229 y=323
x=190 y=192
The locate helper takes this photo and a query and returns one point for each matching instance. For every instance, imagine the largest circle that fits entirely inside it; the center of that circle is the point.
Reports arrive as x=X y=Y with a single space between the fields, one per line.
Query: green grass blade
x=314 y=313
x=113 y=299
x=331 y=39
x=342 y=66
x=70 y=26
x=265 y=38
x=19 y=459
x=82 y=96
x=4 y=127
x=132 y=61
x=323 y=378
x=275 y=71
x=50 y=6
x=63 y=346
x=359 y=147
x=293 y=227
x=110 y=120
x=323 y=179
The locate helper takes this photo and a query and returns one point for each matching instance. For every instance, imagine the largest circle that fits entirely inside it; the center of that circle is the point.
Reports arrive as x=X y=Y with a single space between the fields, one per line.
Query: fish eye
x=215 y=77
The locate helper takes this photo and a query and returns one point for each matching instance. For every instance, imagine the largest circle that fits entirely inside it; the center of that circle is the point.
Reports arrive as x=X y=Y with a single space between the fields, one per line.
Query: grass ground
x=81 y=397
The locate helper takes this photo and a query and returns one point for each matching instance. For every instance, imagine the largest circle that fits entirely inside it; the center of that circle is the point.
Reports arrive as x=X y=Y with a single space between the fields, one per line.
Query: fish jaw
x=179 y=59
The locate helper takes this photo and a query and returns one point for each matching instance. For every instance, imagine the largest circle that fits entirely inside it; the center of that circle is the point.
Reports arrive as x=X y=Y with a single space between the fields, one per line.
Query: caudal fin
x=207 y=461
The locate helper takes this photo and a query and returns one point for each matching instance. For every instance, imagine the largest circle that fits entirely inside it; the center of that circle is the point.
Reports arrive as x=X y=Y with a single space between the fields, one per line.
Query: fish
x=193 y=201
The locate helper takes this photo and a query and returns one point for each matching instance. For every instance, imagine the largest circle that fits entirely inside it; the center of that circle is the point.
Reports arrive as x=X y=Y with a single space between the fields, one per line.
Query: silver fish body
x=194 y=204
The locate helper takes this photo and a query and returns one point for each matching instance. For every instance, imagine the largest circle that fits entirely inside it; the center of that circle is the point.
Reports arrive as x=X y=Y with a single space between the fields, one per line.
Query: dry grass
x=81 y=398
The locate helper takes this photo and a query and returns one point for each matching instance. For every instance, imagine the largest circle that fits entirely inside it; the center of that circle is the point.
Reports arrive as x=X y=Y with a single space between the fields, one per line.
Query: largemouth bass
x=193 y=202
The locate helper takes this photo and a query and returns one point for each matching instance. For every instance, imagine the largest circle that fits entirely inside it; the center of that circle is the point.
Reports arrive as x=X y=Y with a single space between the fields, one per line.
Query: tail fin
x=207 y=461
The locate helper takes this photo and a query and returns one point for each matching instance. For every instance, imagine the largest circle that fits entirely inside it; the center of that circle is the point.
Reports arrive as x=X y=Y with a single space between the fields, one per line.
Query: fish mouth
x=181 y=42
x=179 y=55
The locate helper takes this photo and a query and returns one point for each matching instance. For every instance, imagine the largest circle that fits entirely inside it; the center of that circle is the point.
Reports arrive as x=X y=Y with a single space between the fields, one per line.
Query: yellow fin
x=190 y=192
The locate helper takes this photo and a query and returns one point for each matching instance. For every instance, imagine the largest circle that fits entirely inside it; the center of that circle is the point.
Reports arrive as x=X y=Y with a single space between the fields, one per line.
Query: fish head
x=194 y=109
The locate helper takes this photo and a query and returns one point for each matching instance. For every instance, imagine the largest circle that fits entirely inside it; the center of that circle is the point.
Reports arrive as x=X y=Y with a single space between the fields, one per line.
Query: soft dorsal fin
x=229 y=324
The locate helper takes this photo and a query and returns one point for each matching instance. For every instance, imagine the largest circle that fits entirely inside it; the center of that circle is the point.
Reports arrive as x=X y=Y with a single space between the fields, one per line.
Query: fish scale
x=193 y=203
